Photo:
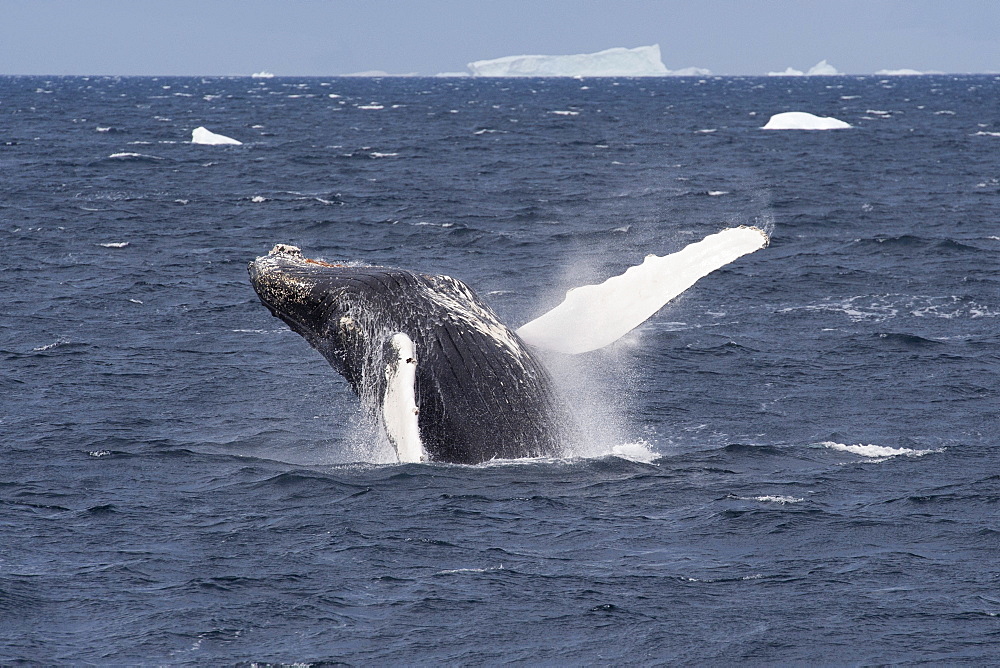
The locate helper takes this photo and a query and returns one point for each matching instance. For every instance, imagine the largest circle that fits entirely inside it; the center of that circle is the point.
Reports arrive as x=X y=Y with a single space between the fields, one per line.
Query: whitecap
x=772 y=498
x=128 y=155
x=257 y=199
x=115 y=244
x=717 y=193
x=876 y=452
x=455 y=571
x=563 y=112
x=50 y=346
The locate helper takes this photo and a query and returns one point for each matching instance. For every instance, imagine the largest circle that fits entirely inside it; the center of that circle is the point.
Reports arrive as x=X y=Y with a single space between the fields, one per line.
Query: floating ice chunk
x=115 y=244
x=263 y=74
x=594 y=316
x=642 y=61
x=898 y=73
x=202 y=135
x=801 y=120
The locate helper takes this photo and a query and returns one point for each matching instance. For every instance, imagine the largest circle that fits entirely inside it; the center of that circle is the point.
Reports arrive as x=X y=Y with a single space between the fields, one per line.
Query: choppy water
x=797 y=459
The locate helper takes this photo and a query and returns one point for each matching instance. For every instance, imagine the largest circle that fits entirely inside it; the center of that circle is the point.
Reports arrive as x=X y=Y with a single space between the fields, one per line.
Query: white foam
x=639 y=451
x=115 y=244
x=772 y=499
x=878 y=452
x=128 y=155
x=801 y=120
x=202 y=135
x=455 y=571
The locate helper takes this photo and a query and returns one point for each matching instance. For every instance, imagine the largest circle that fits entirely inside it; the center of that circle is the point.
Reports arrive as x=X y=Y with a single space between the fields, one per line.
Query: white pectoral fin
x=399 y=405
x=593 y=316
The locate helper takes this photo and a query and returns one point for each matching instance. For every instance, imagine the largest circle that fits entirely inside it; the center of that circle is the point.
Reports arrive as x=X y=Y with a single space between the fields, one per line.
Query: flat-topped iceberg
x=642 y=61
x=898 y=73
x=801 y=120
x=822 y=68
x=205 y=136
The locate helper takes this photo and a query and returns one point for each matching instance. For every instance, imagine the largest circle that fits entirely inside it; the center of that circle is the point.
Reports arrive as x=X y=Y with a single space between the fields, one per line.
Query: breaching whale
x=431 y=363
x=435 y=367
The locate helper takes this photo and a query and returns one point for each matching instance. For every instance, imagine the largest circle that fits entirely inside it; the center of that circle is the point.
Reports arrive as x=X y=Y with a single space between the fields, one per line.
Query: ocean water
x=796 y=462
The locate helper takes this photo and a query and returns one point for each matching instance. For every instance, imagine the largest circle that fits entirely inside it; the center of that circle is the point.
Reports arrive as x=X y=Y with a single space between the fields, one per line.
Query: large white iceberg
x=642 y=61
x=822 y=68
x=801 y=120
x=205 y=136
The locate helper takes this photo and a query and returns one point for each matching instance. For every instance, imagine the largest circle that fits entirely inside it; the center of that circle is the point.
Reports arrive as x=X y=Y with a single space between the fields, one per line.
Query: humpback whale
x=430 y=361
x=435 y=368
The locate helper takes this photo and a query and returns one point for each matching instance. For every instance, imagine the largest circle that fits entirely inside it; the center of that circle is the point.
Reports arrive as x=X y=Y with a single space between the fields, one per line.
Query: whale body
x=432 y=364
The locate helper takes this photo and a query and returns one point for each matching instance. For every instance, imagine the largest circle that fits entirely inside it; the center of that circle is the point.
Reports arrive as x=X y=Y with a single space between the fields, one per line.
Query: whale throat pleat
x=399 y=405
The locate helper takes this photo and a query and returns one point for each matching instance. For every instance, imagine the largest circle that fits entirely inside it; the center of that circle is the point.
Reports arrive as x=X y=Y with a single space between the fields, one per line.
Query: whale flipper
x=594 y=316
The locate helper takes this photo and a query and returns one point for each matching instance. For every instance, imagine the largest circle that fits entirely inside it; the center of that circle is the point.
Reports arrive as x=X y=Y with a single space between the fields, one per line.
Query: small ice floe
x=876 y=453
x=717 y=193
x=565 y=112
x=802 y=120
x=115 y=244
x=202 y=135
x=372 y=106
x=376 y=154
x=257 y=199
x=263 y=74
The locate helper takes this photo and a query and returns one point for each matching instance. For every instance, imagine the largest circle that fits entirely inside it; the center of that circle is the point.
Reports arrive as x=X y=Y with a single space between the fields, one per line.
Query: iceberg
x=789 y=72
x=642 y=61
x=898 y=73
x=202 y=135
x=822 y=68
x=263 y=74
x=801 y=120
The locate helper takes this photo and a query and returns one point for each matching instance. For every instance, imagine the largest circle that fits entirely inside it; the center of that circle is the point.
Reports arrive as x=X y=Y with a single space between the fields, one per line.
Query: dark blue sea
x=798 y=460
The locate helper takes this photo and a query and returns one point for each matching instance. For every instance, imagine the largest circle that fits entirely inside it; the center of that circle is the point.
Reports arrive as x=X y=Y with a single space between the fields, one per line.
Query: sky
x=427 y=37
